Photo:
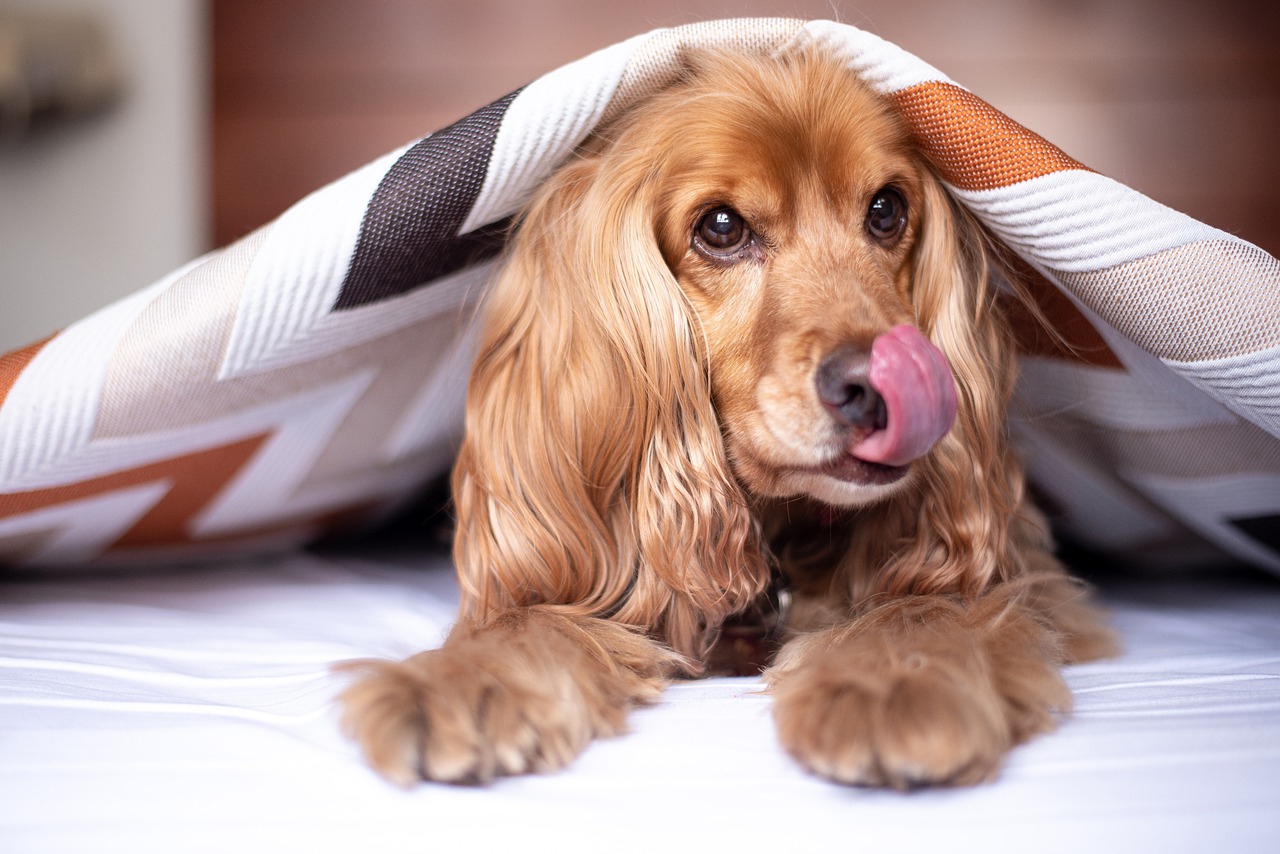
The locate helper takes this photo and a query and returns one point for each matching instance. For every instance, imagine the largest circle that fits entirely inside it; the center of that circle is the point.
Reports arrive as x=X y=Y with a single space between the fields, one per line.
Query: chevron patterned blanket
x=311 y=376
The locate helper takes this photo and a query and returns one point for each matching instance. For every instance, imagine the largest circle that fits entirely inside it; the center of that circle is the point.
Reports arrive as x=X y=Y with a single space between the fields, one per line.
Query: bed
x=167 y=625
x=194 y=712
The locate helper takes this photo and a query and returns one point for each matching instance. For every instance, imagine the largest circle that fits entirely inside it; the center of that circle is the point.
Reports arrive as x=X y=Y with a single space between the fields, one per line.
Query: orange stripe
x=14 y=363
x=195 y=479
x=973 y=145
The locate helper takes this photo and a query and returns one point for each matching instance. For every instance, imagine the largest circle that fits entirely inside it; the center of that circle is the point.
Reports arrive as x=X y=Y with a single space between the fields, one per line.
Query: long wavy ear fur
x=592 y=479
x=960 y=534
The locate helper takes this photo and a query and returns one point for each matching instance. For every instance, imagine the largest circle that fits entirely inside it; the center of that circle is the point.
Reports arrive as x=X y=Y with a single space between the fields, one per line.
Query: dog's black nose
x=844 y=387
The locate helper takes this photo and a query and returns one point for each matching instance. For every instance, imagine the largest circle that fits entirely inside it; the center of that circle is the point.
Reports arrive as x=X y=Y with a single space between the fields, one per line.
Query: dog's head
x=742 y=290
x=789 y=205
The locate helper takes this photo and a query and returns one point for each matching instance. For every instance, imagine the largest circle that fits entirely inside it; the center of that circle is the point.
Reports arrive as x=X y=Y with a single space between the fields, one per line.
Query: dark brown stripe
x=409 y=235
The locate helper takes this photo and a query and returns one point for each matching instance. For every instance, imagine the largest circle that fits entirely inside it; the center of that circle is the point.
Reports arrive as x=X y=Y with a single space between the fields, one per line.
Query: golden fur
x=645 y=449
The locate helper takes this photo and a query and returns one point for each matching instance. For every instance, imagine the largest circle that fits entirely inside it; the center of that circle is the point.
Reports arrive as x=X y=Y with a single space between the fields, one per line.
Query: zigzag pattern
x=314 y=372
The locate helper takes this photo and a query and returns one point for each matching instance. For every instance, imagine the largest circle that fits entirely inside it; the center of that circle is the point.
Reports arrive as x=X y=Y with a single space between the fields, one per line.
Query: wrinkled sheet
x=193 y=711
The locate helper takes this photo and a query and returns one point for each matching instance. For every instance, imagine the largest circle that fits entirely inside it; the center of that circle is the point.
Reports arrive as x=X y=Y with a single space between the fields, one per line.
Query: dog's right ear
x=593 y=478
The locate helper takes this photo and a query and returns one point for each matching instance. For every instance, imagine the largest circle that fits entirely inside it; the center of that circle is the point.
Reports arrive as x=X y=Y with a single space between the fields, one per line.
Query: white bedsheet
x=192 y=711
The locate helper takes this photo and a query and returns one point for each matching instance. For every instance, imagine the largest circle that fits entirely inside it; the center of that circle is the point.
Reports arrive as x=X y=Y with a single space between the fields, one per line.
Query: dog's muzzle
x=897 y=403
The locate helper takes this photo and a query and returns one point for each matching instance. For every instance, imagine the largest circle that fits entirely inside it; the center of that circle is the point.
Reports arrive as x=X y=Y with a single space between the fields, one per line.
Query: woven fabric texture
x=311 y=376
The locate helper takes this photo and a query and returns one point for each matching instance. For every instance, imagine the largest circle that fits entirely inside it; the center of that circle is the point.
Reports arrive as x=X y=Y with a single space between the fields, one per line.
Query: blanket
x=310 y=377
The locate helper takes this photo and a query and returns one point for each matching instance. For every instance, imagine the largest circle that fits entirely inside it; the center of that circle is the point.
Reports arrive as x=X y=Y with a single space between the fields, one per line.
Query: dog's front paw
x=445 y=716
x=937 y=698
x=903 y=730
x=525 y=694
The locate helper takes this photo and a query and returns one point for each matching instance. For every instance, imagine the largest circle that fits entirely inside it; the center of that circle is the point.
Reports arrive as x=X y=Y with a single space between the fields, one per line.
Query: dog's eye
x=887 y=215
x=722 y=232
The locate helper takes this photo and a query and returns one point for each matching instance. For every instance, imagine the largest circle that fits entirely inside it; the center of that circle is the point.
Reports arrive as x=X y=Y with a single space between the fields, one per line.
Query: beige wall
x=92 y=212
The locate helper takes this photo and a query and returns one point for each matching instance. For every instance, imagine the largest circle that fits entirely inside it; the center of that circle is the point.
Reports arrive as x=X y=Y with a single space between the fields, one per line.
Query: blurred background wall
x=94 y=207
x=237 y=108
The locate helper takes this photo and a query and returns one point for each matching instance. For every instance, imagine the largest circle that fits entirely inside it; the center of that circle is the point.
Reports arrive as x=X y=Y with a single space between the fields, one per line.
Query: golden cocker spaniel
x=743 y=336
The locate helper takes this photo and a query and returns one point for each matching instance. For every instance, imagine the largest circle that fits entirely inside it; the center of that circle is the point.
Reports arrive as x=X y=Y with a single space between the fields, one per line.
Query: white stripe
x=1116 y=399
x=434 y=419
x=1098 y=505
x=1076 y=221
x=271 y=488
x=555 y=113
x=331 y=332
x=266 y=490
x=885 y=67
x=298 y=272
x=1205 y=505
x=307 y=409
x=542 y=125
x=1147 y=394
x=80 y=530
x=1249 y=384
x=51 y=408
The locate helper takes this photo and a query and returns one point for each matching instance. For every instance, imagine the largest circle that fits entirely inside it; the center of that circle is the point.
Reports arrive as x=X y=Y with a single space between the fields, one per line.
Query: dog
x=744 y=336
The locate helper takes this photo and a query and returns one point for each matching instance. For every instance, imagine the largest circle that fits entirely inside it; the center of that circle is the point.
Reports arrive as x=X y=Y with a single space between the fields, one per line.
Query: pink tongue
x=919 y=394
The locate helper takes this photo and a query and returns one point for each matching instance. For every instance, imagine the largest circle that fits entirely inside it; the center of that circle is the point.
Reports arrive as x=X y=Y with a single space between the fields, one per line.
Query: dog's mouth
x=848 y=468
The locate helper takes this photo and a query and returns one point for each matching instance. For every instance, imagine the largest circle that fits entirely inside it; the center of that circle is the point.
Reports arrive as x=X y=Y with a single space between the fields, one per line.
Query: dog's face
x=790 y=208
x=737 y=293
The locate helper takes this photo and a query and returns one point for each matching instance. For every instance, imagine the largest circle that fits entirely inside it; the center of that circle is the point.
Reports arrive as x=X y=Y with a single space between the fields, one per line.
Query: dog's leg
x=525 y=692
x=929 y=690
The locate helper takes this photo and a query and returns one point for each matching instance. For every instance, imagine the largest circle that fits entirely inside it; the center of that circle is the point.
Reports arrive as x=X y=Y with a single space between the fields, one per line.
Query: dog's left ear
x=975 y=484
x=593 y=477
x=956 y=306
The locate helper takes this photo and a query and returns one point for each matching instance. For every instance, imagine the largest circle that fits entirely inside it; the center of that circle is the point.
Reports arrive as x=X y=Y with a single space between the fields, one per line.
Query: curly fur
x=644 y=451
